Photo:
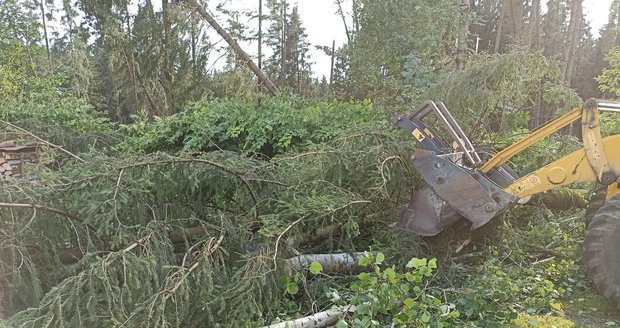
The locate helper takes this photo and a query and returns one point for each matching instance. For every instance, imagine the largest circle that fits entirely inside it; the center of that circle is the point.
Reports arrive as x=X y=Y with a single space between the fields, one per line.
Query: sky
x=320 y=20
x=596 y=12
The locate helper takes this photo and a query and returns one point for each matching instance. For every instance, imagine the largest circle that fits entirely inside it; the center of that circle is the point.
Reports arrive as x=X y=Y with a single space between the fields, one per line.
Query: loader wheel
x=597 y=199
x=602 y=250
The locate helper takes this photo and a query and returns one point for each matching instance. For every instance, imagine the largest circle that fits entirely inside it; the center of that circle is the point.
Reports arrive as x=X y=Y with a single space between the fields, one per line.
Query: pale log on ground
x=332 y=263
x=318 y=320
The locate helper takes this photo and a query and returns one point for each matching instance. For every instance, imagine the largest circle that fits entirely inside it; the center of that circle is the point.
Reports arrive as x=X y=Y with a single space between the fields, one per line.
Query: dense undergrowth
x=282 y=124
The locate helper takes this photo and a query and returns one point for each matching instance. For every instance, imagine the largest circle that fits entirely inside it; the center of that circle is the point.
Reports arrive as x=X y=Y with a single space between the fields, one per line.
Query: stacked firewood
x=14 y=157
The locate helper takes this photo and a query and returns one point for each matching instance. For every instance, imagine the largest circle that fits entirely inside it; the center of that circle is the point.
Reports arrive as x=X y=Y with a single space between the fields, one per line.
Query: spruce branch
x=41 y=140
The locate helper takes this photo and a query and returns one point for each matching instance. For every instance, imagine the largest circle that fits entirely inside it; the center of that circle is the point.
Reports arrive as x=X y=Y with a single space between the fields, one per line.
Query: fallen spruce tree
x=161 y=240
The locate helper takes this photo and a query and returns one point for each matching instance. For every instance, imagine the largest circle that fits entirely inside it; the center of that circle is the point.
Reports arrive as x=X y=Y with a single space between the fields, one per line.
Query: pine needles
x=163 y=241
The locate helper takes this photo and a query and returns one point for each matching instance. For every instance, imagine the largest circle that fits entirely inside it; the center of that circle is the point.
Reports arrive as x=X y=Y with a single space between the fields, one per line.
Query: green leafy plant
x=609 y=80
x=384 y=296
x=280 y=125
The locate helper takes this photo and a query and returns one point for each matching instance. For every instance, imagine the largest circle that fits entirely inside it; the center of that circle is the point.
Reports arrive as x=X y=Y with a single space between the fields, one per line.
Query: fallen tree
x=318 y=320
x=176 y=208
x=330 y=263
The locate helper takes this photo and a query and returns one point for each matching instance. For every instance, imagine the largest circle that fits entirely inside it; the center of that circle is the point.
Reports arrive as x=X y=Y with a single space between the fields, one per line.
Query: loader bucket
x=427 y=214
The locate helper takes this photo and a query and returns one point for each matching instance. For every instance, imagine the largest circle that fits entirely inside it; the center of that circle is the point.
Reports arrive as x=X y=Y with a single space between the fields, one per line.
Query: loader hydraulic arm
x=460 y=184
x=598 y=160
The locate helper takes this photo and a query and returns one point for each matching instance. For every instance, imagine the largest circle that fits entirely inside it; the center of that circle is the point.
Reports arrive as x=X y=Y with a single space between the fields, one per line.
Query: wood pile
x=13 y=158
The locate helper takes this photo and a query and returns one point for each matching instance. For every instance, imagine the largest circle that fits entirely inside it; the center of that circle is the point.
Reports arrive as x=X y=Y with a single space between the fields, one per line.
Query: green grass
x=586 y=310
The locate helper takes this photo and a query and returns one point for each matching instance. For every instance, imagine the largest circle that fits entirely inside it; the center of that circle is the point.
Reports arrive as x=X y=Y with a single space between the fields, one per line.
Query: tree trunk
x=260 y=34
x=461 y=44
x=46 y=37
x=283 y=72
x=194 y=37
x=319 y=320
x=516 y=18
x=167 y=77
x=574 y=31
x=233 y=44
x=332 y=263
x=333 y=60
x=356 y=18
x=560 y=199
x=500 y=26
x=344 y=20
x=533 y=24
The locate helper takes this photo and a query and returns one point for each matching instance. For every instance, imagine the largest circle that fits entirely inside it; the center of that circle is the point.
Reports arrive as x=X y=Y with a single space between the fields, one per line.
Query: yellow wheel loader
x=463 y=183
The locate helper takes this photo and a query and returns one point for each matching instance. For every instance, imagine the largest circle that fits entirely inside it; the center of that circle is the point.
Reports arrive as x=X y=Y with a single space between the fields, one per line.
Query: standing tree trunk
x=533 y=24
x=333 y=60
x=45 y=36
x=356 y=18
x=500 y=26
x=516 y=18
x=233 y=44
x=194 y=37
x=260 y=34
x=168 y=73
x=283 y=70
x=461 y=44
x=574 y=31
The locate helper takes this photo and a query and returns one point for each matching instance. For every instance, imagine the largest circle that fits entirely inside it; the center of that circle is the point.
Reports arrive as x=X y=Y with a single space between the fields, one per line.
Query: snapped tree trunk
x=262 y=77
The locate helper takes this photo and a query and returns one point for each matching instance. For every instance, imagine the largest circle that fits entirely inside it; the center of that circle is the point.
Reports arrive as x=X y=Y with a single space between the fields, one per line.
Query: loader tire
x=596 y=201
x=602 y=250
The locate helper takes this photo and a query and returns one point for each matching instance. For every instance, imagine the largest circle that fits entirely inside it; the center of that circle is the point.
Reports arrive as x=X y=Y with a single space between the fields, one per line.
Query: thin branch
x=212 y=247
x=275 y=253
x=41 y=207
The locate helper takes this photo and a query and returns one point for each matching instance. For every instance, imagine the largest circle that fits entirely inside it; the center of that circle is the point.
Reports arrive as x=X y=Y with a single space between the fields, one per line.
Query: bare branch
x=41 y=207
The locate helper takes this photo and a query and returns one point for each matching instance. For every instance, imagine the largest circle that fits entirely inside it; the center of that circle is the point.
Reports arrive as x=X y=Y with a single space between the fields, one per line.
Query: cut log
x=318 y=320
x=332 y=263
